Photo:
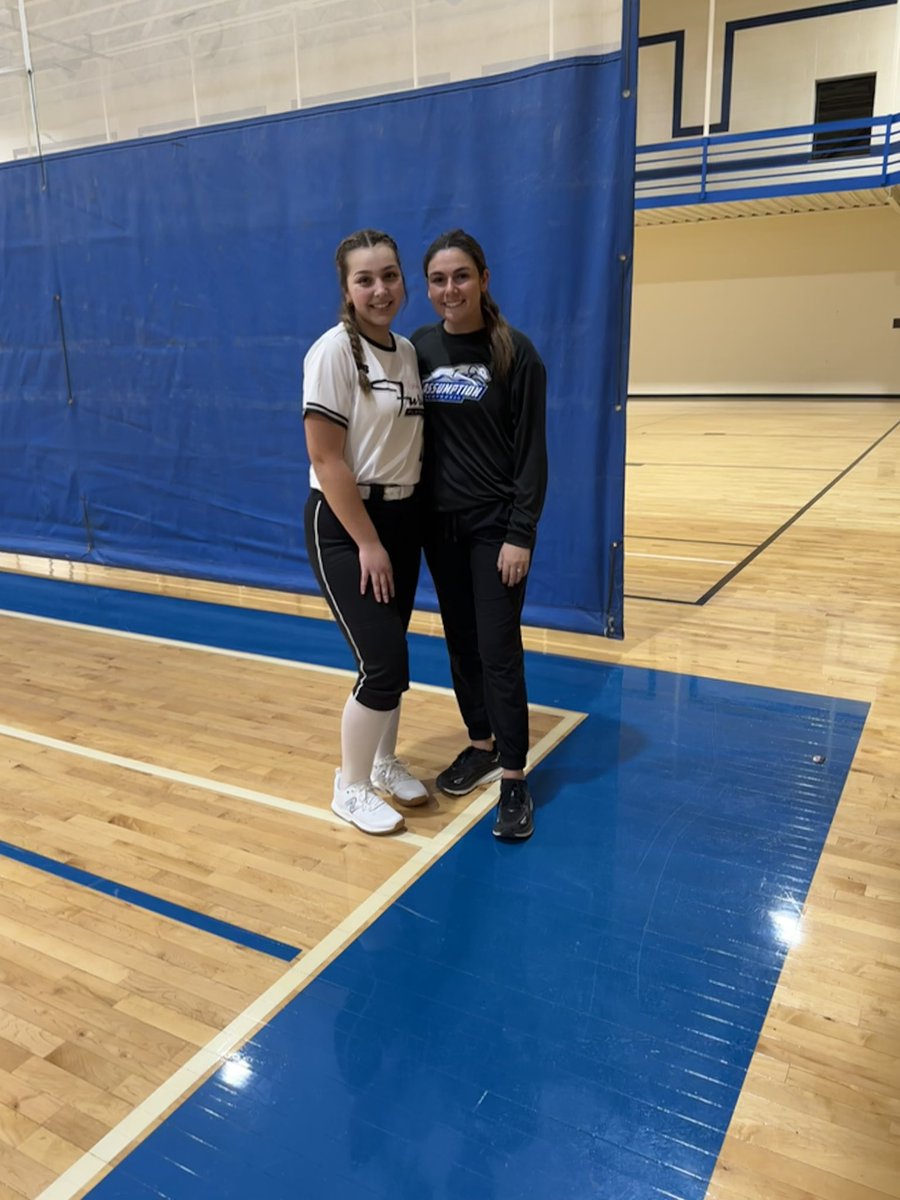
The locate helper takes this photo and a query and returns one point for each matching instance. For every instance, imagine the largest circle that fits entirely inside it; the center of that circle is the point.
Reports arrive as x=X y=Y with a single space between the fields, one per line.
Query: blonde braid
x=356 y=347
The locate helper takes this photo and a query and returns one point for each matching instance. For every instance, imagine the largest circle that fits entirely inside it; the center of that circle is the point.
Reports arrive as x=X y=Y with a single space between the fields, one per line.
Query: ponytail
x=502 y=349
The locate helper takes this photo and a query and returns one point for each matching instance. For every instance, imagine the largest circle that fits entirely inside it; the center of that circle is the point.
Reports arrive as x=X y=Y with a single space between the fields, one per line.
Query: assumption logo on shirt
x=456 y=385
x=409 y=406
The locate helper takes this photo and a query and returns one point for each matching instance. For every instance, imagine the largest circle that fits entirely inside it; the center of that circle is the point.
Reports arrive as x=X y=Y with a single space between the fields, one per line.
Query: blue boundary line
x=175 y=912
x=732 y=28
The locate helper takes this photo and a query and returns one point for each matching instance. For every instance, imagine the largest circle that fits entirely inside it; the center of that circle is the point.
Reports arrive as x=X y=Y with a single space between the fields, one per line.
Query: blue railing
x=839 y=156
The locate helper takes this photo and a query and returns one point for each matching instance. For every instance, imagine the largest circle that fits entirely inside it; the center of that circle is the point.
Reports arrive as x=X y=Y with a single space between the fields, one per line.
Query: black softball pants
x=482 y=626
x=375 y=632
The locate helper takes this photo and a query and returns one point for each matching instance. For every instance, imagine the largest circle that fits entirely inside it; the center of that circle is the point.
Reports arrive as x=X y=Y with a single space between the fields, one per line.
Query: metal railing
x=799 y=160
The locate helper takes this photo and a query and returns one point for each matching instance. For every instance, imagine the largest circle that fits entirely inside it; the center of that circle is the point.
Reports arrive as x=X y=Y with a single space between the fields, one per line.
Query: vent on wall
x=844 y=100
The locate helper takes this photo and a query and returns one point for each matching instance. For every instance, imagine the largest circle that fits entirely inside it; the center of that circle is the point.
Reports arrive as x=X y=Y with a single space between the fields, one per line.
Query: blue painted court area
x=568 y=1018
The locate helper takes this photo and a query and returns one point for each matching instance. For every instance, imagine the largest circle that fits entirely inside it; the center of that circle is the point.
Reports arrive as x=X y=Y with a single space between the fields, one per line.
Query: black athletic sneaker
x=469 y=769
x=515 y=812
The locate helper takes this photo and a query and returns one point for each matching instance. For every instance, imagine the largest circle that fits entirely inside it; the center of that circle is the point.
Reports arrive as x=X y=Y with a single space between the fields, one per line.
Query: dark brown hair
x=363 y=239
x=502 y=350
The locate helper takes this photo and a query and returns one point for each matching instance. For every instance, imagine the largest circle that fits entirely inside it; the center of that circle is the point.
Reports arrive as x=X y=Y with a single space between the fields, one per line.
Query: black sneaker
x=515 y=812
x=469 y=769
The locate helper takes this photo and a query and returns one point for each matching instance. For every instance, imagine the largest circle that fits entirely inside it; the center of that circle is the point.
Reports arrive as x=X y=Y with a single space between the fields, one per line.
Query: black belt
x=386 y=491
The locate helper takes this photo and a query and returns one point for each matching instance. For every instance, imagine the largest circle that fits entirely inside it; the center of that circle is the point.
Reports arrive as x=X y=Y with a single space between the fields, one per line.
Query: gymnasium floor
x=641 y=1002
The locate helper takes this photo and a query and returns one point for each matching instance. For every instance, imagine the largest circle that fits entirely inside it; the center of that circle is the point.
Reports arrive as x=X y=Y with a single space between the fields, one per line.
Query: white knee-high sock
x=361 y=732
x=388 y=743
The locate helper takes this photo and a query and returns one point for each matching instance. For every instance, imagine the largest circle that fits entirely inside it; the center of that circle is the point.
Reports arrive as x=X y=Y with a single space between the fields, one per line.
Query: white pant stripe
x=336 y=607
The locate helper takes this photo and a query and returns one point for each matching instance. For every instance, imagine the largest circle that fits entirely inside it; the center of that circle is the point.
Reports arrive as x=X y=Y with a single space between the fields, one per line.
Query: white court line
x=210 y=1057
x=196 y=781
x=725 y=562
x=164 y=641
x=293 y=664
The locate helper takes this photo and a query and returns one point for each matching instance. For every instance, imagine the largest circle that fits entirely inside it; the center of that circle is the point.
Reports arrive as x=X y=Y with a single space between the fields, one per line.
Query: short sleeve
x=329 y=379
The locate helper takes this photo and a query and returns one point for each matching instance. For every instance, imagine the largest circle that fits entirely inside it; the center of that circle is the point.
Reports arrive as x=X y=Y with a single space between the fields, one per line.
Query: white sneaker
x=392 y=775
x=359 y=805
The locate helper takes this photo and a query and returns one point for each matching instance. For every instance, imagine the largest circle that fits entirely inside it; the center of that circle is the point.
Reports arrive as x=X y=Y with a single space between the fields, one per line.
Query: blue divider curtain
x=159 y=295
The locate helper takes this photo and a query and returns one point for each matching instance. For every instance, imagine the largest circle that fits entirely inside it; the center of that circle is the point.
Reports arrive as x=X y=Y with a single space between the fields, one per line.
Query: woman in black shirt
x=485 y=478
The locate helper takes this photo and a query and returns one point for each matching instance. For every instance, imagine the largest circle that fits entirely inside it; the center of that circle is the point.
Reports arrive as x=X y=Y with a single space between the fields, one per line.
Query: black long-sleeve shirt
x=485 y=439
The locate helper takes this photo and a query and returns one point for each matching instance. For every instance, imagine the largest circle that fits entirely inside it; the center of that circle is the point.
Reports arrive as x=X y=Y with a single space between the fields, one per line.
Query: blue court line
x=175 y=912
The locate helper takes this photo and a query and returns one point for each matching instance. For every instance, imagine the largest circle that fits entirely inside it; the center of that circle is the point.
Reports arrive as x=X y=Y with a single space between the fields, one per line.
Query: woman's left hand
x=513 y=563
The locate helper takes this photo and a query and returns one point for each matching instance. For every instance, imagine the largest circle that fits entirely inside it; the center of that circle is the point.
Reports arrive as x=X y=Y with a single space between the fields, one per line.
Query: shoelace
x=464 y=755
x=359 y=796
x=393 y=769
x=512 y=800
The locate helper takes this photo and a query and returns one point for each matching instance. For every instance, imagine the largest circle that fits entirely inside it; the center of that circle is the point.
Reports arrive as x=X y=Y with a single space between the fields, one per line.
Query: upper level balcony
x=801 y=168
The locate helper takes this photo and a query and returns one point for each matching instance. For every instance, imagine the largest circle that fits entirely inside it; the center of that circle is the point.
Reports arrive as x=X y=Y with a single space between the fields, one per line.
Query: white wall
x=775 y=66
x=107 y=71
x=796 y=304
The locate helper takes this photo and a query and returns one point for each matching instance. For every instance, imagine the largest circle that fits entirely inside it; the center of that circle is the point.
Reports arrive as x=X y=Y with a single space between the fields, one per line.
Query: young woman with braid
x=362 y=409
x=485 y=478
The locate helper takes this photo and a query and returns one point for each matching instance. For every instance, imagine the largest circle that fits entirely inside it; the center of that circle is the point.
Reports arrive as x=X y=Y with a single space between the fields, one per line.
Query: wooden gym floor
x=762 y=548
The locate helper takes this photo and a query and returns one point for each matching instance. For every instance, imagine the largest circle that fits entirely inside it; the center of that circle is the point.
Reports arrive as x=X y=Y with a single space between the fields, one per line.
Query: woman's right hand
x=375 y=568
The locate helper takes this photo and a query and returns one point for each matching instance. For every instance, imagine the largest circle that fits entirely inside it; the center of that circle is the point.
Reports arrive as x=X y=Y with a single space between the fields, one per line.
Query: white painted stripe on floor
x=210 y=1057
x=104 y=631
x=195 y=781
x=724 y=562
x=292 y=664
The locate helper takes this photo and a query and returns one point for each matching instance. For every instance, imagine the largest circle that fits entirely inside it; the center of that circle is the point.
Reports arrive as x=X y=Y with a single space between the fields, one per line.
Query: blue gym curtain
x=159 y=296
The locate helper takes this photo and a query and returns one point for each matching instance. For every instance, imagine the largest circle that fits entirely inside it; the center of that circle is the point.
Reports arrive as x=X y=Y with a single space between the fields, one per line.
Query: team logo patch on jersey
x=413 y=406
x=456 y=385
x=409 y=405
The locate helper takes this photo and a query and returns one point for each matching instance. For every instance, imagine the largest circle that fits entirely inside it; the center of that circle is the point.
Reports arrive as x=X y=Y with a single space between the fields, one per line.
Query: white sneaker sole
x=352 y=819
x=490 y=777
x=414 y=803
